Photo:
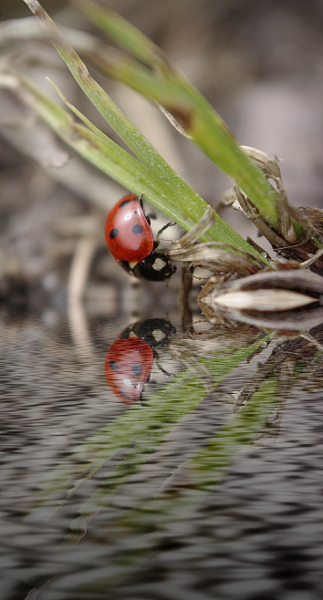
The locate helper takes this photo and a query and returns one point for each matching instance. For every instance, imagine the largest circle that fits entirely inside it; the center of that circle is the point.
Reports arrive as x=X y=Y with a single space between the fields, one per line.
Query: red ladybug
x=127 y=367
x=129 y=360
x=131 y=242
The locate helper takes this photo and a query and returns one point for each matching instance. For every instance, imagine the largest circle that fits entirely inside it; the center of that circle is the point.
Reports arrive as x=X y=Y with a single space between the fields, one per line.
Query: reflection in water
x=130 y=358
x=128 y=481
x=127 y=368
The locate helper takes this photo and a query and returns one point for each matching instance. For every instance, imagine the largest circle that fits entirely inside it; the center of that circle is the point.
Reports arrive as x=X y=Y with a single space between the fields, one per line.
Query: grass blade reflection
x=148 y=527
x=140 y=431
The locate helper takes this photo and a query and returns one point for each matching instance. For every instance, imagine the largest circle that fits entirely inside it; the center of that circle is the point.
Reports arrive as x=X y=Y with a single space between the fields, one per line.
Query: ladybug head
x=155 y=267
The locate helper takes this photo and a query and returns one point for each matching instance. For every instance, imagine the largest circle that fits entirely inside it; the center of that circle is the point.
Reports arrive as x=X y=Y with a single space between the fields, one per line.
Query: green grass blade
x=176 y=199
x=170 y=89
x=174 y=186
x=101 y=152
x=141 y=179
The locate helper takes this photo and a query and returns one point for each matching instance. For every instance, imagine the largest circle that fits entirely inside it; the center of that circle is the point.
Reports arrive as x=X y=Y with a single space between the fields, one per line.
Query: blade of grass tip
x=177 y=200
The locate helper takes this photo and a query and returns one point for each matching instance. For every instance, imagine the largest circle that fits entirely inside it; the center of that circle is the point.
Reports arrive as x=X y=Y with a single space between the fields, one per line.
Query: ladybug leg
x=157 y=240
x=163 y=370
x=141 y=401
x=156 y=356
x=170 y=224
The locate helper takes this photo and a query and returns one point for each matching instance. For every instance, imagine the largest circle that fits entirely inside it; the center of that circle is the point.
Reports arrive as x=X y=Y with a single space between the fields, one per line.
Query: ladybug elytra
x=127 y=367
x=130 y=359
x=130 y=240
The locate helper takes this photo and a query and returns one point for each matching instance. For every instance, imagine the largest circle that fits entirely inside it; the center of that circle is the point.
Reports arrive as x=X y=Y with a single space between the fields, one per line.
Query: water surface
x=189 y=493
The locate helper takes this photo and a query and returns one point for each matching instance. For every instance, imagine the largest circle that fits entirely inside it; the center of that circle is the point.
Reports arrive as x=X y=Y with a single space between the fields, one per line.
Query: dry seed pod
x=273 y=299
x=266 y=300
x=282 y=237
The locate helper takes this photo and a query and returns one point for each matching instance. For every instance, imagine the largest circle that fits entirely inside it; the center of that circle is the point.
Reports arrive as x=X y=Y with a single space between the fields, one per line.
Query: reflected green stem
x=147 y=527
x=140 y=430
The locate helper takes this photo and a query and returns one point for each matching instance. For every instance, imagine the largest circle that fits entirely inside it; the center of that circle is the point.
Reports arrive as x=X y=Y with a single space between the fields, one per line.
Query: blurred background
x=260 y=64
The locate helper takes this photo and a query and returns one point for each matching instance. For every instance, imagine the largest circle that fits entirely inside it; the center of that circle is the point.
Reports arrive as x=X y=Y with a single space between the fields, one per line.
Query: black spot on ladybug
x=136 y=370
x=124 y=203
x=124 y=395
x=136 y=229
x=114 y=365
x=113 y=233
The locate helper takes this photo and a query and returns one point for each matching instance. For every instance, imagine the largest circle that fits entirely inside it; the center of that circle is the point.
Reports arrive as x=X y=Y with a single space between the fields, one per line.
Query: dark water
x=191 y=492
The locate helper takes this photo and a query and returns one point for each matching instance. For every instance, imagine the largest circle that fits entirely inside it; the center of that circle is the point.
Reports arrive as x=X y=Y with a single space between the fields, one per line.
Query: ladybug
x=130 y=240
x=130 y=359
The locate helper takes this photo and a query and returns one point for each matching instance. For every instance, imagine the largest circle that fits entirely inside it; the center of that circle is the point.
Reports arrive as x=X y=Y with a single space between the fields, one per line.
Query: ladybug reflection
x=130 y=359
